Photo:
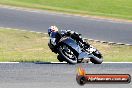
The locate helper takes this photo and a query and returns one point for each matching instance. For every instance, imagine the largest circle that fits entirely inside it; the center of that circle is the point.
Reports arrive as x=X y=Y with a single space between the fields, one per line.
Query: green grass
x=108 y=8
x=26 y=46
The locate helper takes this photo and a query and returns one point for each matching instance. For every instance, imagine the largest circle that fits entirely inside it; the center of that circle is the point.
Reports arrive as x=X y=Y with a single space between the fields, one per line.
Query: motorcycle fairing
x=70 y=42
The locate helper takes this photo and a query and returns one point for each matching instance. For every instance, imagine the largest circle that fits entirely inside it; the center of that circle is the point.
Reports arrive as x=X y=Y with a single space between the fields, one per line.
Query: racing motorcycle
x=73 y=51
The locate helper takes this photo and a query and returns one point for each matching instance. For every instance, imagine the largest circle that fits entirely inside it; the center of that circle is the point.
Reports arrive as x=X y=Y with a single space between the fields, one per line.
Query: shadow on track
x=50 y=62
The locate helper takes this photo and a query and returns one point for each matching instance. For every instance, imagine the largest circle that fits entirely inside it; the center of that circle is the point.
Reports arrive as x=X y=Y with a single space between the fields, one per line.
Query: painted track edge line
x=91 y=62
x=22 y=30
x=9 y=62
x=107 y=42
x=66 y=62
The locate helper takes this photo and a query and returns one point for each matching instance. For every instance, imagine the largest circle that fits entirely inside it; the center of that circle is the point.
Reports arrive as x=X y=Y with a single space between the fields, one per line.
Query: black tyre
x=98 y=56
x=60 y=58
x=68 y=54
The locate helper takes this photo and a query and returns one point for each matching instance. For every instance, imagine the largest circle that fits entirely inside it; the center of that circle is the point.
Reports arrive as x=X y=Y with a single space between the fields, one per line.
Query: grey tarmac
x=41 y=75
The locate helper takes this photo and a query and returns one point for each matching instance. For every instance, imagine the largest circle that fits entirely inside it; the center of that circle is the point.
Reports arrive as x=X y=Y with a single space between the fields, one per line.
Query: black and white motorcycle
x=73 y=51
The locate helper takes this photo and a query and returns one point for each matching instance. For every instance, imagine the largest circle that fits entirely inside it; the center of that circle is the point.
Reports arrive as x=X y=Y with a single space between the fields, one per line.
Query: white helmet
x=52 y=29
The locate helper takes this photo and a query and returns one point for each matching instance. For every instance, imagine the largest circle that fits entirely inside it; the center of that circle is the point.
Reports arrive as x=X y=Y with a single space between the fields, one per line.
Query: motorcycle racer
x=61 y=33
x=71 y=47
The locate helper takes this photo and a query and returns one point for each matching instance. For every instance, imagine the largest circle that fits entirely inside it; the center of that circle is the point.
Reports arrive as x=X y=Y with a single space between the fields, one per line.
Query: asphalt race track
x=105 y=30
x=31 y=75
x=39 y=75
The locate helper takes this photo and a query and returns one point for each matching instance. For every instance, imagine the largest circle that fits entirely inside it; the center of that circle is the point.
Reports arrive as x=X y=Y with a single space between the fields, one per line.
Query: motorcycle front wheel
x=60 y=58
x=68 y=54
